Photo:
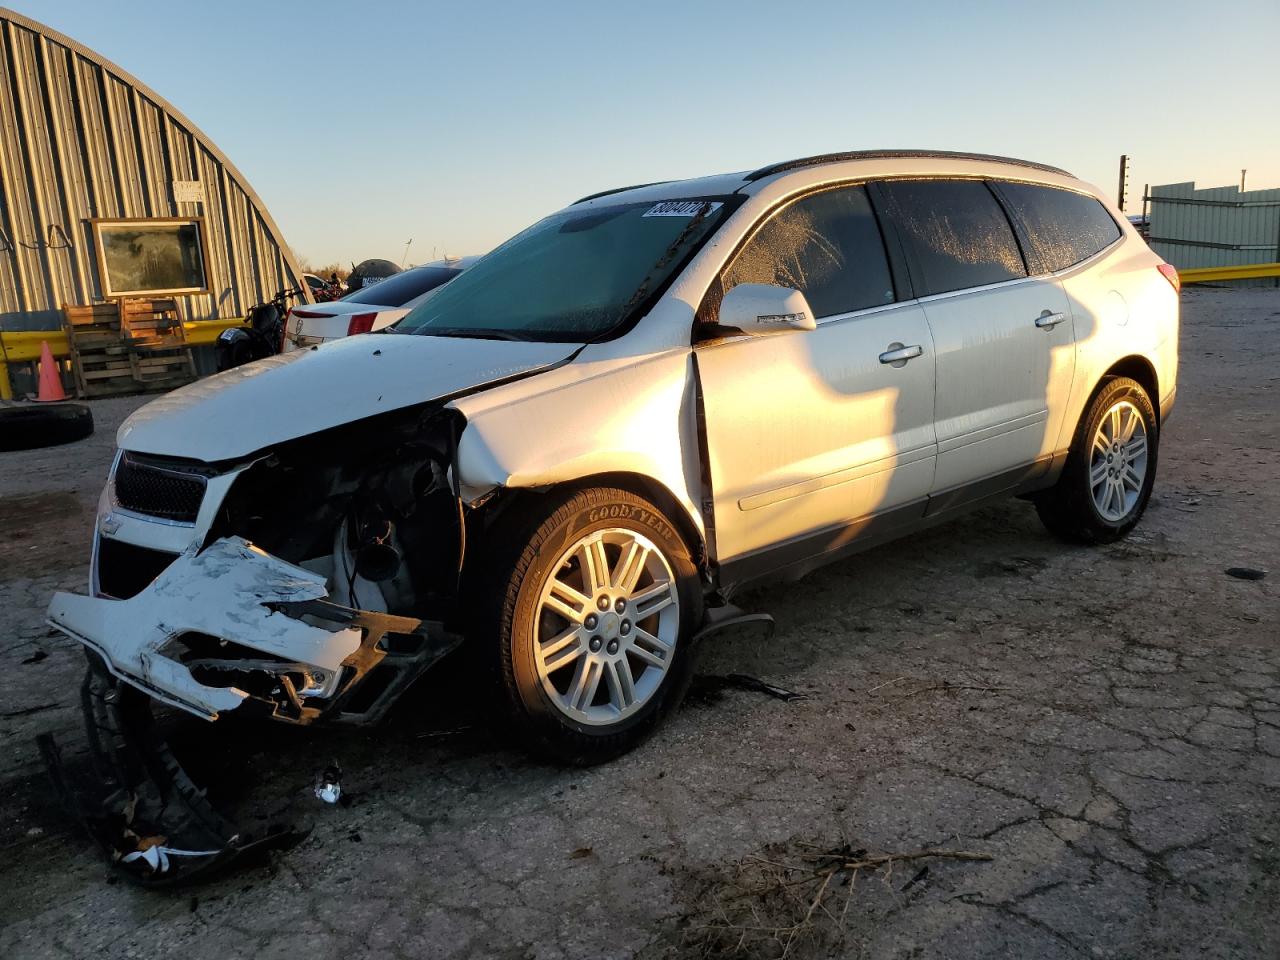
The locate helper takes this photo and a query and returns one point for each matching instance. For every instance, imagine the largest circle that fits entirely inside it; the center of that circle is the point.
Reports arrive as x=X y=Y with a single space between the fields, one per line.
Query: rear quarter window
x=1059 y=228
x=954 y=232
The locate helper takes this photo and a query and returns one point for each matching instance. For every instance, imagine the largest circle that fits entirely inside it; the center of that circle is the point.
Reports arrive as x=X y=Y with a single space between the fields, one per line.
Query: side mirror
x=759 y=308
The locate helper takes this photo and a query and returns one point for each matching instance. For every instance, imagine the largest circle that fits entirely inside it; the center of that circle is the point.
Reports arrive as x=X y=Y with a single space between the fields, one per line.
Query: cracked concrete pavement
x=1105 y=722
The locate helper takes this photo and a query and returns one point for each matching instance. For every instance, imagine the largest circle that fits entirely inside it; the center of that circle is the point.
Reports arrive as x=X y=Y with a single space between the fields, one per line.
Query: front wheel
x=597 y=611
x=1107 y=480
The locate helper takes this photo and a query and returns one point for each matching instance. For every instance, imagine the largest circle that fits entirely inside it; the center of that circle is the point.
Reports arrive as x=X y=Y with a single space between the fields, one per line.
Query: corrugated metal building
x=107 y=190
x=1215 y=227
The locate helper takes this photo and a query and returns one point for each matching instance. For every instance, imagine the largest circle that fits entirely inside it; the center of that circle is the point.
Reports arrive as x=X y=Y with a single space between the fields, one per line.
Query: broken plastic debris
x=329 y=784
x=713 y=682
x=724 y=617
x=1245 y=573
x=329 y=792
x=756 y=685
x=157 y=857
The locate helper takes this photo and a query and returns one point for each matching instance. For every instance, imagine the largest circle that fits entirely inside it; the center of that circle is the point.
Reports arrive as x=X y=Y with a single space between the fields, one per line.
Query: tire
x=1077 y=508
x=543 y=690
x=29 y=425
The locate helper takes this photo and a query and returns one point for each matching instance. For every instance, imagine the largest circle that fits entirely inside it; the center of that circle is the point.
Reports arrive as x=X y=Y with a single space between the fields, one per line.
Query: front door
x=808 y=432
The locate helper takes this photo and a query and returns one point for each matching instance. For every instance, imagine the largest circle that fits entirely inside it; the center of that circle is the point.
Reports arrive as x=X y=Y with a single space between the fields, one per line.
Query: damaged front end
x=319 y=588
x=231 y=627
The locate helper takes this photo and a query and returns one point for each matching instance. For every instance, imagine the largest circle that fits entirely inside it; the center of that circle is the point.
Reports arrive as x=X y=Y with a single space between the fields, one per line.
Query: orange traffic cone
x=50 y=381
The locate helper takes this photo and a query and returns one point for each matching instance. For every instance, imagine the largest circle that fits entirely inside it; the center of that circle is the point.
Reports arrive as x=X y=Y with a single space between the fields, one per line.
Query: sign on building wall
x=188 y=191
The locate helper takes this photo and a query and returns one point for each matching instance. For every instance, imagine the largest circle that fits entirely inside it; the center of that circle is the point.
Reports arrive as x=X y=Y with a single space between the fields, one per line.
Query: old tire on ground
x=592 y=607
x=29 y=425
x=1107 y=480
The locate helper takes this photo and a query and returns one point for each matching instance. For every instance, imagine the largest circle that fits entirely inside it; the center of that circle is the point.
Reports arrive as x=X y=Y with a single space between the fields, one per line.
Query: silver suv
x=575 y=450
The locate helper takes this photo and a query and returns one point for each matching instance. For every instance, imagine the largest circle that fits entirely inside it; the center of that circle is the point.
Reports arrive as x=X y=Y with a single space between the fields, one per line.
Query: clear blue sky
x=364 y=124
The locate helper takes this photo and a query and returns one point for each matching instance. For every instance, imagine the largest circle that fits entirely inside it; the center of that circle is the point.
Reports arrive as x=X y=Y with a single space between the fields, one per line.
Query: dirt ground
x=1104 y=724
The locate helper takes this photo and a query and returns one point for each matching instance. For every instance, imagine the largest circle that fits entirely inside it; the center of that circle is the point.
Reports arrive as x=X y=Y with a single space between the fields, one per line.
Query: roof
x=851 y=155
x=726 y=183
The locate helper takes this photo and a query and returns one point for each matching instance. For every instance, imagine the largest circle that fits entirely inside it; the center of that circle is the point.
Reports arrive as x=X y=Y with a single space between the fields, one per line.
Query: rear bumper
x=233 y=626
x=295 y=342
x=1167 y=402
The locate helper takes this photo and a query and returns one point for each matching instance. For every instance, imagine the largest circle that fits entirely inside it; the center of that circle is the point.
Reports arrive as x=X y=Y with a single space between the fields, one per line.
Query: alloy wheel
x=1118 y=461
x=606 y=626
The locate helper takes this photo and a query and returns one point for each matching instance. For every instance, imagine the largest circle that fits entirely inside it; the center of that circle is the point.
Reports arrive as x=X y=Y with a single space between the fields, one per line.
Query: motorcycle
x=332 y=289
x=263 y=337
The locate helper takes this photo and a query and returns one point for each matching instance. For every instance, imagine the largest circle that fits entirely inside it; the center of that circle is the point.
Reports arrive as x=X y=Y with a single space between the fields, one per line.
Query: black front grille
x=125 y=570
x=170 y=490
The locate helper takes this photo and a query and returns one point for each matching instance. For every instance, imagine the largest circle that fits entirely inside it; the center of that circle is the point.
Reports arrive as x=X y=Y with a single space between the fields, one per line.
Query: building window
x=143 y=257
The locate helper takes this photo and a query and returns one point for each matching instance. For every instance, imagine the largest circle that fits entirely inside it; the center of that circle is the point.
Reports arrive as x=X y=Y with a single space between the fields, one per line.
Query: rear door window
x=826 y=245
x=954 y=232
x=396 y=291
x=1059 y=228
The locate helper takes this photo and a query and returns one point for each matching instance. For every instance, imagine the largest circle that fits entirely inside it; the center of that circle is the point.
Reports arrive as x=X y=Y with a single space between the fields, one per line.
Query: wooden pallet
x=160 y=354
x=127 y=346
x=99 y=355
x=152 y=321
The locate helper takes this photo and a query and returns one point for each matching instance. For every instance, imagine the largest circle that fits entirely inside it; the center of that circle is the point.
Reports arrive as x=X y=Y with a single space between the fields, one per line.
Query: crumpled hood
x=244 y=410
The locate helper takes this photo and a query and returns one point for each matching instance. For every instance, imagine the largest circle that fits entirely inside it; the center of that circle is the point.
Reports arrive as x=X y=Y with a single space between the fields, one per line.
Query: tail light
x=360 y=323
x=1171 y=274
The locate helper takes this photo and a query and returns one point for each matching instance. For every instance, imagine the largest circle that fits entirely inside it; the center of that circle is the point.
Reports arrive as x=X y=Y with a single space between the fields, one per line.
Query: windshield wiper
x=480 y=333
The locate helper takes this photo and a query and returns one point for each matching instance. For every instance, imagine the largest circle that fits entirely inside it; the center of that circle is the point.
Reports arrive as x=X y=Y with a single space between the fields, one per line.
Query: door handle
x=897 y=355
x=1049 y=320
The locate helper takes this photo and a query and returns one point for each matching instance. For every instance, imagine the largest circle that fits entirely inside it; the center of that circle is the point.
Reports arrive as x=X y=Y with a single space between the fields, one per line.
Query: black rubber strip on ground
x=27 y=426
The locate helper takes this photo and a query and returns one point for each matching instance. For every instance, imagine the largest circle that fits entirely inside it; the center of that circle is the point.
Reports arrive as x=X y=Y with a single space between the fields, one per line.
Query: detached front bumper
x=233 y=627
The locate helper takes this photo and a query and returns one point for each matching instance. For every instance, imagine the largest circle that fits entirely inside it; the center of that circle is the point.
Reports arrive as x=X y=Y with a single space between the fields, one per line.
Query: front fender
x=614 y=415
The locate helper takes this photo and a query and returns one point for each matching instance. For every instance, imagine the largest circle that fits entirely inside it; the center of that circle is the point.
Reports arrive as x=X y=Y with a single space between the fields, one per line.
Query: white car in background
x=370 y=308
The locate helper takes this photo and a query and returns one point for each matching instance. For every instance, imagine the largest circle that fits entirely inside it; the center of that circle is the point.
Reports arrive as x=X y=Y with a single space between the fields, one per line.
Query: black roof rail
x=605 y=193
x=893 y=155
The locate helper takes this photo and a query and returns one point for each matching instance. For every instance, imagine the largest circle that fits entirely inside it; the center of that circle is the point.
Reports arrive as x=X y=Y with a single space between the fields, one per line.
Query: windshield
x=397 y=290
x=572 y=277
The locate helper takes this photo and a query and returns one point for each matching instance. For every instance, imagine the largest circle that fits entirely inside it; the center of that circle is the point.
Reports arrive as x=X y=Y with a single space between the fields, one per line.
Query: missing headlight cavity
x=370 y=506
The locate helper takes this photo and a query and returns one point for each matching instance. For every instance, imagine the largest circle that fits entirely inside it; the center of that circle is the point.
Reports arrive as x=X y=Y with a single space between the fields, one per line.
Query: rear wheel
x=596 y=614
x=1107 y=480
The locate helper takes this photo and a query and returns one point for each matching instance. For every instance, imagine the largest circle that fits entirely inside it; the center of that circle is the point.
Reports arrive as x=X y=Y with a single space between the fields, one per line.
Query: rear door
x=1004 y=340
x=809 y=432
x=1062 y=232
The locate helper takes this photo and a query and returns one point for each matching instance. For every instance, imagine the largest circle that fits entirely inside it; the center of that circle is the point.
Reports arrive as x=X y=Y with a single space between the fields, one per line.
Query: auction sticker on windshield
x=682 y=208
